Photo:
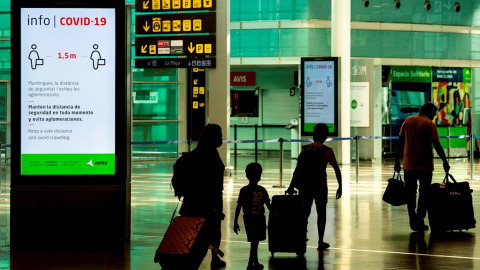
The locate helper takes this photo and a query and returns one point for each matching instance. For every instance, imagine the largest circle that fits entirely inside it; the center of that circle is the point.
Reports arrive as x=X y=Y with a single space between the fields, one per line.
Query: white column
x=341 y=14
x=218 y=103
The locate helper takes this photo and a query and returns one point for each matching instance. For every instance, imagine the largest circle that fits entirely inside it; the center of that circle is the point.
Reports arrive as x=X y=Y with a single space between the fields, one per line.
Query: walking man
x=417 y=135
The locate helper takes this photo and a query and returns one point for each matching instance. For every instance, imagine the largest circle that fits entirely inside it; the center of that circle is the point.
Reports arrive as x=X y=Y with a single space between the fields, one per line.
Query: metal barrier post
x=235 y=145
x=357 y=158
x=256 y=144
x=448 y=129
x=472 y=144
x=281 y=163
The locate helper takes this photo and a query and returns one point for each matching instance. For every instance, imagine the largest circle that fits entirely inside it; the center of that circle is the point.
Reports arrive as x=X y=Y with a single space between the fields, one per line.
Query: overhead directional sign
x=197 y=111
x=181 y=23
x=176 y=63
x=200 y=46
x=173 y=5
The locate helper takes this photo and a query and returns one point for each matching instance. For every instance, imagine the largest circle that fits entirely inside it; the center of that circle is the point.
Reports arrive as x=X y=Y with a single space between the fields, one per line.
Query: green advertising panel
x=68 y=91
x=411 y=74
x=308 y=127
x=68 y=164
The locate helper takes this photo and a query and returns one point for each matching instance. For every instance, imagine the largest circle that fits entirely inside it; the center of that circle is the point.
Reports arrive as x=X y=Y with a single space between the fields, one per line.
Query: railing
x=281 y=141
x=357 y=140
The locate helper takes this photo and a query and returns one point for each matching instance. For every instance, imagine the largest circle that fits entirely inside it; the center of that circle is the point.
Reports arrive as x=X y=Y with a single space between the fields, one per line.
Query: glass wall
x=410 y=11
x=155 y=107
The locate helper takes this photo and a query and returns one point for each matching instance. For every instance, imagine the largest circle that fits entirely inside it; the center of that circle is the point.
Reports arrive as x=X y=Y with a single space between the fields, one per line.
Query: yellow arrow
x=191 y=48
x=195 y=82
x=146 y=27
x=144 y=49
x=145 y=4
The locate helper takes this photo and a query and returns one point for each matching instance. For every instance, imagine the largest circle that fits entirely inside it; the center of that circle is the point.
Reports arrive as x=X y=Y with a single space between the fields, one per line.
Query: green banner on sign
x=309 y=127
x=411 y=74
x=467 y=75
x=68 y=164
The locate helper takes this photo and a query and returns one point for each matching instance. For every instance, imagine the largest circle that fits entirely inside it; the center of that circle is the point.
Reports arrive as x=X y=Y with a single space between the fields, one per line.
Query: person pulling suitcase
x=310 y=178
x=417 y=134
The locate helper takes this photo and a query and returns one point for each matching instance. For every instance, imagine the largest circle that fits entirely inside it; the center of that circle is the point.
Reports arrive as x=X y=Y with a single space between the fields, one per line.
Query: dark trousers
x=417 y=212
x=321 y=199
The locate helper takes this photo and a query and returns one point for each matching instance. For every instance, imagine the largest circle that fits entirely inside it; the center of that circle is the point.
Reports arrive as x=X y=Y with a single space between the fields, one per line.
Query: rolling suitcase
x=185 y=244
x=450 y=206
x=287 y=226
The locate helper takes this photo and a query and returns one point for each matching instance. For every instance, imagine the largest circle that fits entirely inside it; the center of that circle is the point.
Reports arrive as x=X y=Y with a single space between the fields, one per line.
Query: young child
x=252 y=199
x=310 y=178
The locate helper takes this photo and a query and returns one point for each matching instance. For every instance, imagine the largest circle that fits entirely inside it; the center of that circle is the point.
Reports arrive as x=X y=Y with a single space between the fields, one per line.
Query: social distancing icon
x=34 y=57
x=97 y=58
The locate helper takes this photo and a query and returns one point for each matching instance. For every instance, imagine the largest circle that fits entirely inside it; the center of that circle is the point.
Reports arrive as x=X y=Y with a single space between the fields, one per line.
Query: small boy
x=252 y=199
x=310 y=178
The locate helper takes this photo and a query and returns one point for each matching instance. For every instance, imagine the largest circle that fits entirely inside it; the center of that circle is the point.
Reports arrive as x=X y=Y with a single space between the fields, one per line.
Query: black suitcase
x=450 y=206
x=287 y=226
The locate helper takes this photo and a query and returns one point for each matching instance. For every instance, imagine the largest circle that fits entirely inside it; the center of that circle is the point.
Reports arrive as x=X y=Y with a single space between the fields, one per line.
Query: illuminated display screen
x=319 y=94
x=67 y=98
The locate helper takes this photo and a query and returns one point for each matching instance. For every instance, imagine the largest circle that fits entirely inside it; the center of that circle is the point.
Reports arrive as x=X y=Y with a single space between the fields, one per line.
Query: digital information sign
x=67 y=99
x=319 y=94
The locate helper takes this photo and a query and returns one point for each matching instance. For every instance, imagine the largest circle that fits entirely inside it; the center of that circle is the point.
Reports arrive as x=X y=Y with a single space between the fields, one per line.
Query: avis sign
x=242 y=79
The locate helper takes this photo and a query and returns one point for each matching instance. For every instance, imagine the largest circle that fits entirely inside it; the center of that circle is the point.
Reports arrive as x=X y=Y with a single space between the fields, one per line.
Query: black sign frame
x=147 y=5
x=335 y=80
x=120 y=98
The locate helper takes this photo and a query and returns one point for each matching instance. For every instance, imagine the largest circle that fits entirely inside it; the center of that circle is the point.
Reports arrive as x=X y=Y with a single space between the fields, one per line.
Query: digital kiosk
x=69 y=126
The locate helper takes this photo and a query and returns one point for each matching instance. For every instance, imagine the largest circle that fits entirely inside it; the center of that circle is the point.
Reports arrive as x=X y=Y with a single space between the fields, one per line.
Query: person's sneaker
x=217 y=264
x=323 y=246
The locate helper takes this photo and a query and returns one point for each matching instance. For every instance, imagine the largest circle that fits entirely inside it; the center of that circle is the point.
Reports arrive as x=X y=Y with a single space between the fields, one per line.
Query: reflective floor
x=363 y=231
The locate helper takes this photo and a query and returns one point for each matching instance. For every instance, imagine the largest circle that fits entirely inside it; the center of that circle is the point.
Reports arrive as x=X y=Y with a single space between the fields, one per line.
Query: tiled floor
x=364 y=232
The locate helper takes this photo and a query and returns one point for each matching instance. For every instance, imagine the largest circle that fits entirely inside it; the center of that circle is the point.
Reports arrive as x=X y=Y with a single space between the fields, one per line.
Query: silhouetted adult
x=310 y=178
x=204 y=196
x=417 y=135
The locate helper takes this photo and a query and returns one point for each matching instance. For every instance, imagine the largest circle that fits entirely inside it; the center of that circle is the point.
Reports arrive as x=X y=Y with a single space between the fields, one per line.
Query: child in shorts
x=252 y=199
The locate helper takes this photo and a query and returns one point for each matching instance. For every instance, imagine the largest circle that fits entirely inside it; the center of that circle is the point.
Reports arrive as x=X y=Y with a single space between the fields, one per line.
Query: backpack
x=182 y=178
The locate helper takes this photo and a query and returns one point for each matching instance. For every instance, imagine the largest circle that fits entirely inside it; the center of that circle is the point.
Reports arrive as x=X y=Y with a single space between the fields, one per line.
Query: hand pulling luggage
x=395 y=192
x=185 y=244
x=287 y=226
x=450 y=206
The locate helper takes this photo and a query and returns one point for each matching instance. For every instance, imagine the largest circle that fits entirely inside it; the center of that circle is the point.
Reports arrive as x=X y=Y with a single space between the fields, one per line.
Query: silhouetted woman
x=205 y=196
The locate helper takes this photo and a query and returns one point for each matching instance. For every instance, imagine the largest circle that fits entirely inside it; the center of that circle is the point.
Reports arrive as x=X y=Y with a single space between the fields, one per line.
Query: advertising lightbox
x=68 y=88
x=319 y=94
x=67 y=91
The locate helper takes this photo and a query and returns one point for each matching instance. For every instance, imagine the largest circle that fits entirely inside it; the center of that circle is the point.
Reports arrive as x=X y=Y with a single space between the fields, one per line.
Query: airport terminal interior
x=400 y=54
x=364 y=232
